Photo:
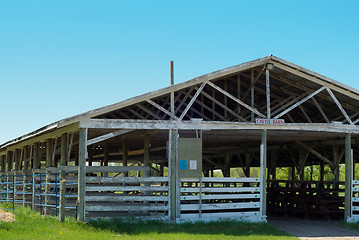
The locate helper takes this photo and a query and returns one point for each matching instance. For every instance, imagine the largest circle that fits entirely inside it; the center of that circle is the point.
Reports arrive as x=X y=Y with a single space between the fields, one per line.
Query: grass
x=31 y=225
x=214 y=230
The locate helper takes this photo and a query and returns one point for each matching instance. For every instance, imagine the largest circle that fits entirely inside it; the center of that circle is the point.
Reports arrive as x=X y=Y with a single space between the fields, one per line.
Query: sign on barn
x=262 y=121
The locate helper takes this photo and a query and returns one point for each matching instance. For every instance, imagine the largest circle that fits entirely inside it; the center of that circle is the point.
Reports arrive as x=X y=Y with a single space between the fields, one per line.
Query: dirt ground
x=6 y=216
x=315 y=230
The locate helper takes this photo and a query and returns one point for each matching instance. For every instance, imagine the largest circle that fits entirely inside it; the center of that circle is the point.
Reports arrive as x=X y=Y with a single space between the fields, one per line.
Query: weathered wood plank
x=222 y=180
x=220 y=206
x=119 y=198
x=125 y=208
x=219 y=215
x=126 y=180
x=219 y=189
x=126 y=188
x=220 y=196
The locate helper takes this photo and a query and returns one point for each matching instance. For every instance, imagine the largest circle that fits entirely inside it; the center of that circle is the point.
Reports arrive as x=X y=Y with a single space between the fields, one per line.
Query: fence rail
x=41 y=190
x=220 y=198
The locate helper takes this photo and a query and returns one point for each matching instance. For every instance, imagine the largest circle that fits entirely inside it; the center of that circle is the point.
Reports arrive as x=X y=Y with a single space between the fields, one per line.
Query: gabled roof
x=292 y=72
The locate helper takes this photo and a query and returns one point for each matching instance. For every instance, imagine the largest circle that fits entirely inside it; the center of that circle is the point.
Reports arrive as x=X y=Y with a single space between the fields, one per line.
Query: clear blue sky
x=61 y=58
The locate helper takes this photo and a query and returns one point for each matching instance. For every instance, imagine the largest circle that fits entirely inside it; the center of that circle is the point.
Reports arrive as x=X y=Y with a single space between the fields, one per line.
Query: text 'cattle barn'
x=214 y=147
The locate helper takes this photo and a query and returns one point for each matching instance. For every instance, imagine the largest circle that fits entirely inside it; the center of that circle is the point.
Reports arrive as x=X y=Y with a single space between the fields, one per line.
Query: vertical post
x=263 y=172
x=62 y=200
x=124 y=154
x=63 y=160
x=252 y=95
x=36 y=162
x=17 y=159
x=48 y=152
x=147 y=155
x=82 y=175
x=239 y=93
x=25 y=178
x=47 y=181
x=172 y=158
x=105 y=157
x=9 y=161
x=268 y=93
x=348 y=176
x=173 y=178
x=63 y=154
x=2 y=163
x=321 y=171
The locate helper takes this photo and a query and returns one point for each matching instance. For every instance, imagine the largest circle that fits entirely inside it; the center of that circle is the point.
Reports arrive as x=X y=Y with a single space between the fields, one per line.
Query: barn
x=214 y=147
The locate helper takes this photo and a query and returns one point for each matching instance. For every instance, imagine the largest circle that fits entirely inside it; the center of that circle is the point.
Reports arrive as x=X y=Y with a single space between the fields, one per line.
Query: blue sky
x=61 y=58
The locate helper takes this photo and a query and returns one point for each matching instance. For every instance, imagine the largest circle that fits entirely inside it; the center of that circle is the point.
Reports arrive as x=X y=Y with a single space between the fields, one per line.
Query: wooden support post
x=36 y=161
x=9 y=161
x=268 y=94
x=105 y=157
x=252 y=94
x=48 y=152
x=17 y=159
x=239 y=94
x=146 y=159
x=348 y=176
x=124 y=154
x=173 y=177
x=62 y=200
x=82 y=175
x=263 y=173
x=3 y=167
x=247 y=171
x=227 y=167
x=25 y=178
x=321 y=179
x=63 y=157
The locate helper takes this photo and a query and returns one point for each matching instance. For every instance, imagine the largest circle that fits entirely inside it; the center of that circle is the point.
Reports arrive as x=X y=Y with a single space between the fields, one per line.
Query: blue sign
x=183 y=164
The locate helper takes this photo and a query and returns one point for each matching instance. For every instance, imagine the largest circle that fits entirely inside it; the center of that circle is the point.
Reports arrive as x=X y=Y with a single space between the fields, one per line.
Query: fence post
x=33 y=184
x=62 y=200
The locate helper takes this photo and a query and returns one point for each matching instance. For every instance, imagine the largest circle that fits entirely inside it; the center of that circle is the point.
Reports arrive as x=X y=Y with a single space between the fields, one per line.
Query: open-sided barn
x=157 y=155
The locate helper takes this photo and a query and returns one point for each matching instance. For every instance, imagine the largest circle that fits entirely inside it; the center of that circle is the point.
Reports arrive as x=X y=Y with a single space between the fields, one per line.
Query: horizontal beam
x=107 y=136
x=208 y=125
x=31 y=140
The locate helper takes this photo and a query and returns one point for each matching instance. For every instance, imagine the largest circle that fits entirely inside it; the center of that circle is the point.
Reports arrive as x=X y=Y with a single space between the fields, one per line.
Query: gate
x=221 y=198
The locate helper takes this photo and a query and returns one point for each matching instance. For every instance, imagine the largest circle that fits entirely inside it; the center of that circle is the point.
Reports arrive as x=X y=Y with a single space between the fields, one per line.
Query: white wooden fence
x=220 y=198
x=113 y=196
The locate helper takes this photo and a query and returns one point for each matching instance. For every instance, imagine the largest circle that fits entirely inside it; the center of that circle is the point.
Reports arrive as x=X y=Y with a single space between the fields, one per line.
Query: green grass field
x=31 y=225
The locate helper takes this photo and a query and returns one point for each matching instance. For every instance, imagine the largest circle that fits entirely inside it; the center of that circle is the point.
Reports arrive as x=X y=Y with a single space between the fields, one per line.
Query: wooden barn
x=208 y=148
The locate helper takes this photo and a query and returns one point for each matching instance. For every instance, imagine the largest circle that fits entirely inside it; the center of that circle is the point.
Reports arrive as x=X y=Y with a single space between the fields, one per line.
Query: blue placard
x=183 y=164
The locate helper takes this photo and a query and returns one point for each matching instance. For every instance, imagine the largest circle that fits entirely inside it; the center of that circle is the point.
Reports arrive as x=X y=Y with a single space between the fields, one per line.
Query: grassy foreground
x=31 y=225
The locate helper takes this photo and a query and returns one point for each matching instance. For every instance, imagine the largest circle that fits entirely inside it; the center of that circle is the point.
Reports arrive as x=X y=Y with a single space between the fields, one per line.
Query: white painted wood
x=236 y=99
x=125 y=208
x=126 y=180
x=300 y=102
x=219 y=215
x=126 y=188
x=187 y=125
x=221 y=196
x=219 y=189
x=119 y=198
x=339 y=105
x=115 y=169
x=161 y=108
x=222 y=180
x=107 y=136
x=192 y=100
x=220 y=206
